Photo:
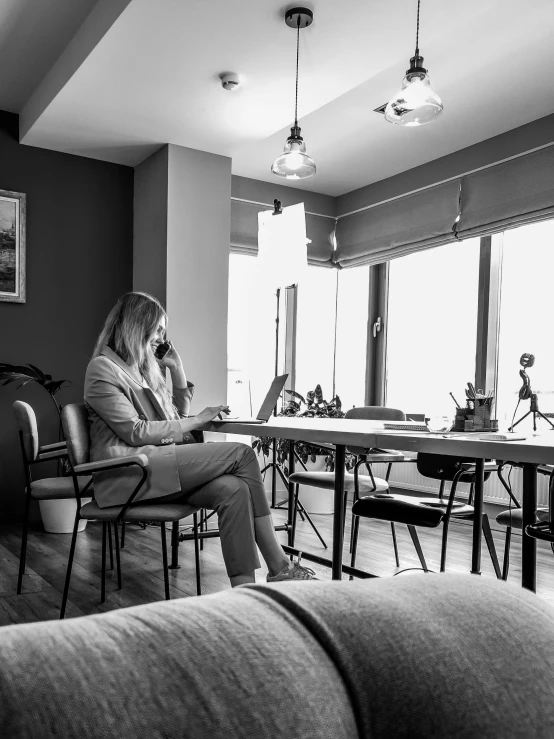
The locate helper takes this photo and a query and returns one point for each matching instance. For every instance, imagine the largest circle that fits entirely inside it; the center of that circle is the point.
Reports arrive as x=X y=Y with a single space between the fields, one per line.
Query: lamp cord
x=417 y=31
x=297 y=54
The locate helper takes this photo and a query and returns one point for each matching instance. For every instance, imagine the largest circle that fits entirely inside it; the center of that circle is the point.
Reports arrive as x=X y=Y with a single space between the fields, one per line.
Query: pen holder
x=476 y=416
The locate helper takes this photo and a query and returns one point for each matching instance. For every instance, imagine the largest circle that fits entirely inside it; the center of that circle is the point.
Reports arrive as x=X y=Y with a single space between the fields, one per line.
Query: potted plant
x=315 y=500
x=57 y=515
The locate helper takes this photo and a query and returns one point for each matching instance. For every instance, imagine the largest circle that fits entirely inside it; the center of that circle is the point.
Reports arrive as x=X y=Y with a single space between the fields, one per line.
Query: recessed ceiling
x=139 y=74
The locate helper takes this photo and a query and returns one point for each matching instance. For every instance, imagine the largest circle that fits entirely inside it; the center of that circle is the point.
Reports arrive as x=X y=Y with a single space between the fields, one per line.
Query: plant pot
x=316 y=500
x=58 y=516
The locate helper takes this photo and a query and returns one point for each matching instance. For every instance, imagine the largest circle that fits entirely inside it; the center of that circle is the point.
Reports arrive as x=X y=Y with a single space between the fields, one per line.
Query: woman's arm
x=182 y=389
x=106 y=396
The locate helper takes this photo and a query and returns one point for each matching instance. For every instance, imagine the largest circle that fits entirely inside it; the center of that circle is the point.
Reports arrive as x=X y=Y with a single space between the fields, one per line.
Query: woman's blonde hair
x=130 y=323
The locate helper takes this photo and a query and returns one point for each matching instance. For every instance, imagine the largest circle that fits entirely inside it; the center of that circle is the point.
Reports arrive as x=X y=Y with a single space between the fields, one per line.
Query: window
x=526 y=321
x=432 y=325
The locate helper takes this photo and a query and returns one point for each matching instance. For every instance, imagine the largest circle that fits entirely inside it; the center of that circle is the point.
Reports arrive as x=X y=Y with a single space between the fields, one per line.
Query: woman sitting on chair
x=131 y=411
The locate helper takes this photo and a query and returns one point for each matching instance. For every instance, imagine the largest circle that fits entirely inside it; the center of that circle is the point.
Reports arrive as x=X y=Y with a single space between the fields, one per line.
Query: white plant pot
x=316 y=500
x=58 y=516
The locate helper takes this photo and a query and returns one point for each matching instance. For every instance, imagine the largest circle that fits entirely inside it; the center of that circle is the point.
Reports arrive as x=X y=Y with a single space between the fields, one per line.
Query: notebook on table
x=268 y=405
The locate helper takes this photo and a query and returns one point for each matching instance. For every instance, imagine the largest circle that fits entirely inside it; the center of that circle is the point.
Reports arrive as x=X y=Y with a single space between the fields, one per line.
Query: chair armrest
x=109 y=464
x=53 y=447
x=58 y=450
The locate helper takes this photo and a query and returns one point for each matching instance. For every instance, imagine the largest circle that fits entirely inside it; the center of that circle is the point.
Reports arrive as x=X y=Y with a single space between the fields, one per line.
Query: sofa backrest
x=412 y=656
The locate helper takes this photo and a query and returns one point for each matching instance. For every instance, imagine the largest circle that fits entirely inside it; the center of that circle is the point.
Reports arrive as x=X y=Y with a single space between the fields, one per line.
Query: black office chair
x=430 y=511
x=513 y=517
x=354 y=482
x=76 y=430
x=49 y=488
x=544 y=529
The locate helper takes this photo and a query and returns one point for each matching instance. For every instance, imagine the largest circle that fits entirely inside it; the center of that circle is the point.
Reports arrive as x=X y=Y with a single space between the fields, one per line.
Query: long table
x=531 y=452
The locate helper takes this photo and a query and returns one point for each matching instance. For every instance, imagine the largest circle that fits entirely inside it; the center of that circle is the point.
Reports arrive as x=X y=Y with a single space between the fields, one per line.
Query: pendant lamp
x=416 y=103
x=294 y=163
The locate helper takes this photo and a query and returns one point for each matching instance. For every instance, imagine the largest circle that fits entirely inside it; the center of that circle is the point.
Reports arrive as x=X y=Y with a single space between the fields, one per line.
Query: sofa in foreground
x=410 y=656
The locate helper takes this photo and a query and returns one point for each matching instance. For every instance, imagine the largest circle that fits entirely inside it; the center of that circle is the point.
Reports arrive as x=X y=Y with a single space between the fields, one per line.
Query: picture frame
x=12 y=246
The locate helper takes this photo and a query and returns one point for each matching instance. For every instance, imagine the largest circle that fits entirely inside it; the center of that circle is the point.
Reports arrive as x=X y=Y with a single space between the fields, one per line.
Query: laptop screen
x=272 y=397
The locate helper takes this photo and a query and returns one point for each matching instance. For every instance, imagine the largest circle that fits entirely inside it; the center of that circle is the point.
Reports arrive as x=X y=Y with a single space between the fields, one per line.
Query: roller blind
x=244 y=233
x=414 y=222
x=509 y=194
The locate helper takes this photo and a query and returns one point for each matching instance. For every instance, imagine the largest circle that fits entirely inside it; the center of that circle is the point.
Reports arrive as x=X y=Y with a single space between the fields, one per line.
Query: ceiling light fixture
x=415 y=103
x=294 y=163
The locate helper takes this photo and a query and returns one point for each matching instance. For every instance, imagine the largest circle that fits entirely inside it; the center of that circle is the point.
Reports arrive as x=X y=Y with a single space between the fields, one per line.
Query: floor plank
x=142 y=564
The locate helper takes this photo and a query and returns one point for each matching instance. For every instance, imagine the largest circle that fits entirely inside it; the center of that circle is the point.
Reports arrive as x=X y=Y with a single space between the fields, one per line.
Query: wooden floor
x=143 y=577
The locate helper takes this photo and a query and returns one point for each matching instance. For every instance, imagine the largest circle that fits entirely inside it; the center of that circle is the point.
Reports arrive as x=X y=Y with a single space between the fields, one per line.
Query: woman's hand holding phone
x=167 y=356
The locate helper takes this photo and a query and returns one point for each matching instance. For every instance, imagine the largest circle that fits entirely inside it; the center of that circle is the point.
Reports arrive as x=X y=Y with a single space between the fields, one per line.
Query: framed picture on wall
x=12 y=246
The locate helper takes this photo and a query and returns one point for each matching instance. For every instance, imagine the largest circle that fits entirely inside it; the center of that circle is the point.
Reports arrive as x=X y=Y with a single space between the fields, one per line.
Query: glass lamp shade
x=415 y=104
x=294 y=163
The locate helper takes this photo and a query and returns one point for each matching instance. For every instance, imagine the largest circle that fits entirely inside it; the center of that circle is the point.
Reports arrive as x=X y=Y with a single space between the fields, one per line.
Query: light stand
x=273 y=465
x=528 y=360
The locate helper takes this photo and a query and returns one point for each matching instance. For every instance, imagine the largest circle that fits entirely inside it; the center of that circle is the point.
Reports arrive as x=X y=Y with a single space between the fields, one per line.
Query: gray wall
x=150 y=225
x=79 y=261
x=199 y=218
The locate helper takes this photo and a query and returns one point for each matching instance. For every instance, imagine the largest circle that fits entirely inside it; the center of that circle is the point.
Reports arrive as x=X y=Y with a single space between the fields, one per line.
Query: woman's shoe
x=293 y=571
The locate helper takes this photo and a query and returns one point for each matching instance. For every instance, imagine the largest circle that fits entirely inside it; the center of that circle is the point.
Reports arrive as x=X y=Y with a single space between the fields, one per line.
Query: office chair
x=544 y=528
x=353 y=482
x=49 y=488
x=513 y=517
x=429 y=511
x=76 y=430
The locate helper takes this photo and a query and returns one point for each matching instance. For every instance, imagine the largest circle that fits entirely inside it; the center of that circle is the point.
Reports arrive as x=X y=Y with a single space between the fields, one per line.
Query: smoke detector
x=229 y=80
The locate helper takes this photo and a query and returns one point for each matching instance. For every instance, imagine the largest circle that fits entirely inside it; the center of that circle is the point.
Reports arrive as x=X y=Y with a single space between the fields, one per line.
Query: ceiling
x=116 y=79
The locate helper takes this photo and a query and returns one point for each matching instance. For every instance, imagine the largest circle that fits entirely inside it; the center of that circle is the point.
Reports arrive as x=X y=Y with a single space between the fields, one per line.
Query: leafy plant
x=316 y=407
x=29 y=373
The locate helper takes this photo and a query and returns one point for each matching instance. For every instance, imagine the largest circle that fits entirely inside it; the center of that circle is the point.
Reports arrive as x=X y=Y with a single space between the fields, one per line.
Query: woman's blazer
x=126 y=418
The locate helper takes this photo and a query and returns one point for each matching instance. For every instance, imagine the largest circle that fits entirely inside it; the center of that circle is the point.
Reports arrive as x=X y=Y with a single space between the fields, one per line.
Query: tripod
x=534 y=409
x=274 y=465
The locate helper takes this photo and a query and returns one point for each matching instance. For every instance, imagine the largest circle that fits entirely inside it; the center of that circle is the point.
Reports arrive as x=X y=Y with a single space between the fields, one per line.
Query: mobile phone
x=162 y=350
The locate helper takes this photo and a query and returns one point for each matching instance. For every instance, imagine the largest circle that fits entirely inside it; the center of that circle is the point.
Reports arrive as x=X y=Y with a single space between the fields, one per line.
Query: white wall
x=198 y=228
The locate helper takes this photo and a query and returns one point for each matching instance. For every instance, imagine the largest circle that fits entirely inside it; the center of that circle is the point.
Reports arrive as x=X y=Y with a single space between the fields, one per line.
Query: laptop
x=267 y=406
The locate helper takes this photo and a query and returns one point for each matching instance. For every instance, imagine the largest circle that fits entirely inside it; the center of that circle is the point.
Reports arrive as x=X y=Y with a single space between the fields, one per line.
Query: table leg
x=477 y=516
x=338 y=512
x=291 y=495
x=528 y=543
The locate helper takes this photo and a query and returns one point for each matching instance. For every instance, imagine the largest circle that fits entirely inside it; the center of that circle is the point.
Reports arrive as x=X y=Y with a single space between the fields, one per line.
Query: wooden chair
x=76 y=430
x=48 y=488
x=430 y=511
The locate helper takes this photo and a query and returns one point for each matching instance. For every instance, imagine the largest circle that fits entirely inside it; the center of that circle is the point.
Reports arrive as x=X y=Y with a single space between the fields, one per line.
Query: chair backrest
x=444 y=467
x=77 y=433
x=372 y=413
x=26 y=422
